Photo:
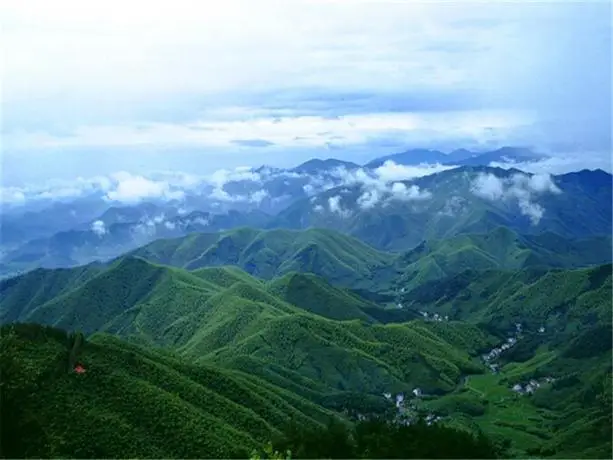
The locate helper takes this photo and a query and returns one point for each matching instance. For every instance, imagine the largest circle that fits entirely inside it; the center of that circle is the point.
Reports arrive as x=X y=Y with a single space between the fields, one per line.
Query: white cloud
x=401 y=192
x=391 y=171
x=99 y=228
x=336 y=207
x=369 y=198
x=562 y=163
x=318 y=208
x=12 y=195
x=521 y=187
x=133 y=188
x=488 y=186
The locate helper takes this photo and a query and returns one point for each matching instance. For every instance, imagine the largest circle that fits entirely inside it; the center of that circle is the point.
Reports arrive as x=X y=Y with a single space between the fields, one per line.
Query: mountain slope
x=560 y=301
x=222 y=315
x=501 y=248
x=114 y=234
x=561 y=321
x=316 y=295
x=457 y=201
x=266 y=254
x=157 y=406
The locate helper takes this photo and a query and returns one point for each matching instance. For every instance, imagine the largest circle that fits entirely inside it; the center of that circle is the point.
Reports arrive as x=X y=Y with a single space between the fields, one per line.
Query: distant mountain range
x=461 y=200
x=461 y=157
x=389 y=215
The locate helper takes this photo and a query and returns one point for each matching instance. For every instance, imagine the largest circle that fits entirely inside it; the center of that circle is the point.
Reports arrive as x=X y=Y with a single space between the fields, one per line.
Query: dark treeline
x=379 y=438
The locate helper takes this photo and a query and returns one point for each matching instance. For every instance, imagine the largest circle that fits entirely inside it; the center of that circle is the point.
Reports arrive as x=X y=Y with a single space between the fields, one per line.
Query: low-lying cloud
x=132 y=189
x=521 y=187
x=99 y=228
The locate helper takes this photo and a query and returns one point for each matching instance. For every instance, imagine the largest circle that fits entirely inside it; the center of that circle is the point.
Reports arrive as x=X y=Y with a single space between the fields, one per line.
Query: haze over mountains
x=393 y=204
x=416 y=261
x=316 y=290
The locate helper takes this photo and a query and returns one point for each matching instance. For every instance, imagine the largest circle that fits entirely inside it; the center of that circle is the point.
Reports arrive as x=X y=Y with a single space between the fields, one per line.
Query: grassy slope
x=156 y=405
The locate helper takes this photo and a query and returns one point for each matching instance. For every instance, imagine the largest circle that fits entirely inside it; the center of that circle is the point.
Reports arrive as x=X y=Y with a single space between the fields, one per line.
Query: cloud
x=336 y=207
x=133 y=189
x=253 y=142
x=521 y=187
x=99 y=228
x=391 y=171
x=401 y=191
x=367 y=73
x=12 y=196
x=562 y=163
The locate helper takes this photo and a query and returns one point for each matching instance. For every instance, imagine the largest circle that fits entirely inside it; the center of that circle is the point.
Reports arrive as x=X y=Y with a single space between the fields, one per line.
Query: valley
x=333 y=328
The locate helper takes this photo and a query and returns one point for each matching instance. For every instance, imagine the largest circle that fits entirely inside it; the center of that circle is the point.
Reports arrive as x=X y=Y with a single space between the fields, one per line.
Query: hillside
x=501 y=248
x=562 y=323
x=281 y=333
x=116 y=232
x=132 y=402
x=558 y=300
x=316 y=295
x=226 y=316
x=463 y=200
x=345 y=261
x=268 y=254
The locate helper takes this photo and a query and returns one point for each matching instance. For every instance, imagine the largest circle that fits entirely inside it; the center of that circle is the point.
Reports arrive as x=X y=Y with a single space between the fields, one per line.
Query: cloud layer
x=520 y=187
x=135 y=86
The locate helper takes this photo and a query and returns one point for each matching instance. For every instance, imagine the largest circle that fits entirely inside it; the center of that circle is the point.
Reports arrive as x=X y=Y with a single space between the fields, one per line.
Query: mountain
x=266 y=254
x=317 y=166
x=501 y=155
x=107 y=239
x=66 y=396
x=556 y=299
x=320 y=345
x=345 y=261
x=501 y=248
x=223 y=315
x=462 y=200
x=460 y=157
x=132 y=401
x=410 y=157
x=315 y=294
x=561 y=323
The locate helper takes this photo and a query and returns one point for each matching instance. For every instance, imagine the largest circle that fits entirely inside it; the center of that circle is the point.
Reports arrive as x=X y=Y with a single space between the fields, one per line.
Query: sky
x=92 y=88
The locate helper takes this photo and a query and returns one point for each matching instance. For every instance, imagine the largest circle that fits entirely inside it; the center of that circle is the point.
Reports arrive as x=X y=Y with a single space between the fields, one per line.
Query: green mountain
x=315 y=294
x=132 y=402
x=564 y=343
x=267 y=254
x=558 y=300
x=469 y=199
x=64 y=396
x=225 y=316
x=501 y=248
x=319 y=347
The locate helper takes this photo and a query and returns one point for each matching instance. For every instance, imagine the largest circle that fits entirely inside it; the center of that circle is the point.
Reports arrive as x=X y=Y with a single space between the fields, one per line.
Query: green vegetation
x=132 y=402
x=268 y=254
x=225 y=316
x=214 y=362
x=499 y=249
x=378 y=438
